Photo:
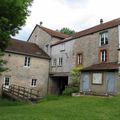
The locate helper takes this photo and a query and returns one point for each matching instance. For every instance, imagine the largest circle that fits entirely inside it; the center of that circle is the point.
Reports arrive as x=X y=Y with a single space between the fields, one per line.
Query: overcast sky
x=74 y=14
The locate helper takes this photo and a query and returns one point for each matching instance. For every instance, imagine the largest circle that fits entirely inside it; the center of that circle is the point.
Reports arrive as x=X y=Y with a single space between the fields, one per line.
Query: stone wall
x=89 y=47
x=42 y=38
x=21 y=75
x=67 y=54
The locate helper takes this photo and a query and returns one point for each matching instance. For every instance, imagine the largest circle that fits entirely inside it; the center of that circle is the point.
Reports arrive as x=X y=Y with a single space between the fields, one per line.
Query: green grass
x=63 y=108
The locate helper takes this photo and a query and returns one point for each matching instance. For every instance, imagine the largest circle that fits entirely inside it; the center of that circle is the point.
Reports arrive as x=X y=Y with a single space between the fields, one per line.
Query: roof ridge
x=97 y=25
x=48 y=30
x=96 y=28
x=26 y=48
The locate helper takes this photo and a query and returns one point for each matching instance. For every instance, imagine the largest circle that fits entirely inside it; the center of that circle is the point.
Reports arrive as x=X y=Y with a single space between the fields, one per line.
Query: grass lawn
x=63 y=108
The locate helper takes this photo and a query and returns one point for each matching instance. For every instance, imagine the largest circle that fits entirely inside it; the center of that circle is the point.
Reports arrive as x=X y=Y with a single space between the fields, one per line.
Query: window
x=60 y=62
x=62 y=47
x=47 y=48
x=34 y=82
x=103 y=38
x=97 y=78
x=7 y=81
x=54 y=63
x=27 y=61
x=79 y=59
x=103 y=56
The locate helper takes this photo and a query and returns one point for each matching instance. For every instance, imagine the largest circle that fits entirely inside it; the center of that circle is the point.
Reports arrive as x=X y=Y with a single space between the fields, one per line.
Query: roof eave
x=21 y=53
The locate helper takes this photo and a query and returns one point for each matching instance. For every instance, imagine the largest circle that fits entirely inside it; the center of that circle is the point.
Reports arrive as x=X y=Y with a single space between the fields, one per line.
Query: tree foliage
x=75 y=74
x=67 y=31
x=13 y=14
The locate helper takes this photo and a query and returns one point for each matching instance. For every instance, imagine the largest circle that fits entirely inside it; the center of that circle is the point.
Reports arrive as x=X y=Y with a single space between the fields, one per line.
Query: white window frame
x=103 y=35
x=27 y=61
x=34 y=83
x=6 y=85
x=60 y=61
x=62 y=47
x=54 y=62
x=79 y=58
x=119 y=34
x=103 y=55
x=97 y=78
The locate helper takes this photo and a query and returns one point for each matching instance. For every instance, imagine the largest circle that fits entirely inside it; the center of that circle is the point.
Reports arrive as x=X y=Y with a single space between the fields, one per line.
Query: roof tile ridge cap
x=118 y=19
x=53 y=30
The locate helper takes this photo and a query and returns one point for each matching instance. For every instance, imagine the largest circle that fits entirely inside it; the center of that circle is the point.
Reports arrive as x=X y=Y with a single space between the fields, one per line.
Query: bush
x=70 y=89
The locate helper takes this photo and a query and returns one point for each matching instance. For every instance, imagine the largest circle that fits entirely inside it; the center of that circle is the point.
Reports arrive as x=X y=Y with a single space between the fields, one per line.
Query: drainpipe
x=119 y=48
x=49 y=67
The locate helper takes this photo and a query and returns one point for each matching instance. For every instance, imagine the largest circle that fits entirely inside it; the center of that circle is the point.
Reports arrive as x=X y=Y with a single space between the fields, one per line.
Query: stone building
x=96 y=49
x=45 y=37
x=28 y=66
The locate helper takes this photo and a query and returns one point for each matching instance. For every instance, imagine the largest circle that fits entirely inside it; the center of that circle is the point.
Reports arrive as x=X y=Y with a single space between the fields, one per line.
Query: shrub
x=70 y=89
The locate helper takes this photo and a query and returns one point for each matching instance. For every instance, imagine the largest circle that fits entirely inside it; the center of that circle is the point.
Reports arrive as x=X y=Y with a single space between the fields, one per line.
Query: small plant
x=70 y=89
x=75 y=74
x=73 y=86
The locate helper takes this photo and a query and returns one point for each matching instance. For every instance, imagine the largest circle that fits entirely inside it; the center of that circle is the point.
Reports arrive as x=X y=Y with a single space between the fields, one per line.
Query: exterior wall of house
x=67 y=55
x=42 y=39
x=118 y=82
x=101 y=89
x=22 y=76
x=89 y=47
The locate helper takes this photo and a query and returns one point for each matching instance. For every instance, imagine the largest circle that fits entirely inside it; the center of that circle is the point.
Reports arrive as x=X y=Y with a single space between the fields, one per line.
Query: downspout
x=119 y=51
x=119 y=48
x=49 y=67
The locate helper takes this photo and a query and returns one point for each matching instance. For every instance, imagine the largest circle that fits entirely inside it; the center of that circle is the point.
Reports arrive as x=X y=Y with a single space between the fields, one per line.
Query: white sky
x=74 y=14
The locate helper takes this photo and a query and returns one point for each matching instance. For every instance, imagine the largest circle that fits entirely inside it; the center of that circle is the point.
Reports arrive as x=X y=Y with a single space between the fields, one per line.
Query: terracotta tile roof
x=54 y=33
x=26 y=48
x=91 y=30
x=102 y=67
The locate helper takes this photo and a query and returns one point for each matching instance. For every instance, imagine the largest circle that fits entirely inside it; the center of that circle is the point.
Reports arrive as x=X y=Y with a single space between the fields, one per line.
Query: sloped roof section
x=97 y=28
x=102 y=67
x=26 y=48
x=92 y=30
x=54 y=33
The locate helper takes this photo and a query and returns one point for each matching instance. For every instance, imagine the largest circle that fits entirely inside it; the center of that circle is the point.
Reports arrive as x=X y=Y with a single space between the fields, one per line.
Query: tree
x=13 y=14
x=66 y=31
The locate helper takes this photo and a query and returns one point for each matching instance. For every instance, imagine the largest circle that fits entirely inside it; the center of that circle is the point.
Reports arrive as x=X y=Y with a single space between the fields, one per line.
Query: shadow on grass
x=10 y=102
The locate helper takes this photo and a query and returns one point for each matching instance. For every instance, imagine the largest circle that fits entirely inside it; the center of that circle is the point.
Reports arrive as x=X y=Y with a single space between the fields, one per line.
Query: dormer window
x=103 y=38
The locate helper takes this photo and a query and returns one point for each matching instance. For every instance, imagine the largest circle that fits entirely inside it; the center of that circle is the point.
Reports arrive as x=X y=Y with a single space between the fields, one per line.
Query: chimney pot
x=101 y=21
x=41 y=23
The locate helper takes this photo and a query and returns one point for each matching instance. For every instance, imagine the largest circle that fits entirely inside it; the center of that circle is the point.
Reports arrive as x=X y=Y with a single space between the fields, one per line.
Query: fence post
x=18 y=90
